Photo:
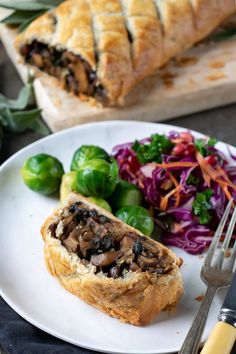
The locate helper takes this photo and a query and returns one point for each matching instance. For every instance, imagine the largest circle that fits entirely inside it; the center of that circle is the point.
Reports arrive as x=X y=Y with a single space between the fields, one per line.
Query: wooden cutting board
x=201 y=78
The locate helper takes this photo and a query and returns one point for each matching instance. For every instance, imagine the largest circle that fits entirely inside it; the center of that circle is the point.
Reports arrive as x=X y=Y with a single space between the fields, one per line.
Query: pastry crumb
x=200 y=297
x=185 y=61
x=216 y=76
x=168 y=79
x=216 y=64
x=227 y=254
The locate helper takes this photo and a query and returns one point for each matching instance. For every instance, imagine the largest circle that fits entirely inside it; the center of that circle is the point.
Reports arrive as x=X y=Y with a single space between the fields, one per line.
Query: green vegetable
x=18 y=122
x=151 y=152
x=86 y=153
x=202 y=205
x=68 y=184
x=24 y=99
x=101 y=203
x=26 y=11
x=24 y=5
x=226 y=34
x=97 y=178
x=125 y=194
x=138 y=217
x=1 y=136
x=21 y=114
x=42 y=173
x=202 y=145
x=193 y=180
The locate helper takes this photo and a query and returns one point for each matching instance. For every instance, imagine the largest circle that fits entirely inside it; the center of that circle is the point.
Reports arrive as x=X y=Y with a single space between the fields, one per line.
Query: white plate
x=37 y=296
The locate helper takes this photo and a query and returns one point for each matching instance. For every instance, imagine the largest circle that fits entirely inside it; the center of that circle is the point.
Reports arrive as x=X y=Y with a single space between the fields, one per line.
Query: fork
x=215 y=277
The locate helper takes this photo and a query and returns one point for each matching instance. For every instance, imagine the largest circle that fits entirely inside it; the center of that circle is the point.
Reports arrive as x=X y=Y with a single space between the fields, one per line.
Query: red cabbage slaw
x=169 y=193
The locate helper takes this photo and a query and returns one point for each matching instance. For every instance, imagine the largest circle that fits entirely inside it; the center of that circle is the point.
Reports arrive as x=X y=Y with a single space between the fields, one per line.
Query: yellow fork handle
x=221 y=339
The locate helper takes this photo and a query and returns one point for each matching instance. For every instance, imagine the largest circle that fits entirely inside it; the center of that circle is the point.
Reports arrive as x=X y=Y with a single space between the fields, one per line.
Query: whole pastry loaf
x=109 y=264
x=100 y=49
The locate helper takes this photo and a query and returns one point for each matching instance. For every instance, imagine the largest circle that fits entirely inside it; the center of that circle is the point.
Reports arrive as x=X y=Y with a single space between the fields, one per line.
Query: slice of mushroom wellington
x=99 y=50
x=109 y=264
x=98 y=240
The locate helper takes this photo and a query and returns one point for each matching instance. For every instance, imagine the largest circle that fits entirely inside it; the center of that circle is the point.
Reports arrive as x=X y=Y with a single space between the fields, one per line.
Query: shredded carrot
x=227 y=180
x=165 y=199
x=177 y=187
x=175 y=191
x=209 y=173
x=227 y=193
x=176 y=164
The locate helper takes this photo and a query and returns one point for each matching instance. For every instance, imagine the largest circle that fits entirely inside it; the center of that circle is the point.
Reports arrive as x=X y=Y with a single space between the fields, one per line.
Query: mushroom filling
x=75 y=74
x=101 y=241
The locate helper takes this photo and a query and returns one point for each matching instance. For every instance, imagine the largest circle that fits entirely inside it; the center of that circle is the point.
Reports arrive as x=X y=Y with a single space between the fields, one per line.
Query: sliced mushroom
x=38 y=60
x=107 y=245
x=134 y=267
x=72 y=242
x=70 y=57
x=145 y=262
x=68 y=229
x=52 y=228
x=84 y=246
x=105 y=259
x=151 y=247
x=80 y=75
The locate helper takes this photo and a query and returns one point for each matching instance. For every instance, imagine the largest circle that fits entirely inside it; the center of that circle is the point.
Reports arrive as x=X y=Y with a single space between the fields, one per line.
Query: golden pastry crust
x=208 y=14
x=126 y=40
x=135 y=298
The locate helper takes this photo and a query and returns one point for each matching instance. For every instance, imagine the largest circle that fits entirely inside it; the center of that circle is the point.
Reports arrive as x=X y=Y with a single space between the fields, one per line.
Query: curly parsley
x=202 y=206
x=152 y=152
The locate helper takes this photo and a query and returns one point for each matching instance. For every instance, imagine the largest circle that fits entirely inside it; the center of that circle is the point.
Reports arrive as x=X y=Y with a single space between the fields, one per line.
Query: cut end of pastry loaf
x=109 y=264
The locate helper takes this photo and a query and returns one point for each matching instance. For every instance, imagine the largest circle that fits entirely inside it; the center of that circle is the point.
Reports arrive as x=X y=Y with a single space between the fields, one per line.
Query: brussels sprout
x=86 y=153
x=97 y=178
x=125 y=194
x=42 y=173
x=67 y=184
x=101 y=203
x=138 y=217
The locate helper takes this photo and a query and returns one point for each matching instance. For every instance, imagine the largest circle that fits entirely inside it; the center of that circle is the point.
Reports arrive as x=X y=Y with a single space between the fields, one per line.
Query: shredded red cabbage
x=172 y=192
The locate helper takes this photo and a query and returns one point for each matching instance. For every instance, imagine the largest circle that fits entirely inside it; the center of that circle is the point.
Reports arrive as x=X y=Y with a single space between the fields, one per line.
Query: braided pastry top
x=125 y=40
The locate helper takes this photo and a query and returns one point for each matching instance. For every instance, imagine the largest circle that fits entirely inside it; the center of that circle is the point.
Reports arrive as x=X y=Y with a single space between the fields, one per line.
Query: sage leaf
x=28 y=21
x=25 y=5
x=227 y=34
x=40 y=127
x=53 y=3
x=1 y=136
x=17 y=116
x=17 y=17
x=18 y=122
x=21 y=102
x=3 y=121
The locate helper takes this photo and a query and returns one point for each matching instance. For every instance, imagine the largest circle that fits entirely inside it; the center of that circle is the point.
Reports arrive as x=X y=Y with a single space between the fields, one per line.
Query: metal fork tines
x=215 y=275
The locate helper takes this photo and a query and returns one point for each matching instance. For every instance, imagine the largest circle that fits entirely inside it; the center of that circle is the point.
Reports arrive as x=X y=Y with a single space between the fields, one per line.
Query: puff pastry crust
x=121 y=41
x=135 y=297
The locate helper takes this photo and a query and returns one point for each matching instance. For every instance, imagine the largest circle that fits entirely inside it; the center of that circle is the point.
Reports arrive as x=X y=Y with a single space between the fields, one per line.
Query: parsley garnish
x=152 y=152
x=202 y=146
x=202 y=205
x=193 y=180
